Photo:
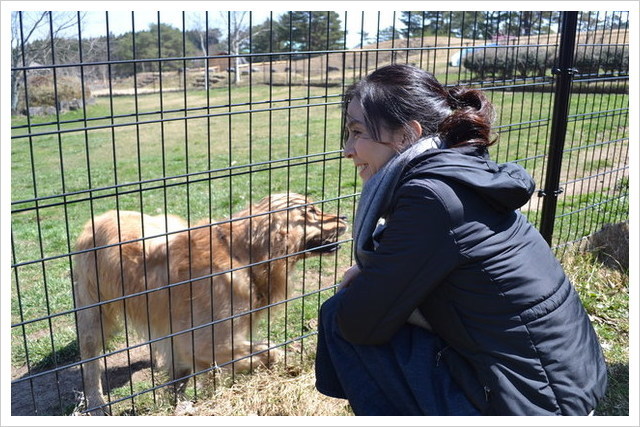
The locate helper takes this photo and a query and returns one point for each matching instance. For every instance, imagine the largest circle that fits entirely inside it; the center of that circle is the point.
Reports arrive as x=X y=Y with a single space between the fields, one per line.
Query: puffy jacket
x=456 y=247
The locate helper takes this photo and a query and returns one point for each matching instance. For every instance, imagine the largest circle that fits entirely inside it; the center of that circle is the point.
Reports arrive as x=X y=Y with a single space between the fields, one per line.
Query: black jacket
x=455 y=246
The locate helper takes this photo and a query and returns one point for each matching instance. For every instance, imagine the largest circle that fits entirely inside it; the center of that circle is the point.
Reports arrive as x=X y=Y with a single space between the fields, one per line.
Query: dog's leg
x=166 y=318
x=181 y=361
x=263 y=356
x=96 y=326
x=91 y=343
x=251 y=355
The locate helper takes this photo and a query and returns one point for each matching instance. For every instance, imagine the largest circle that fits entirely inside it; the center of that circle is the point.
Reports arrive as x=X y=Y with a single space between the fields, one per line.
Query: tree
x=414 y=24
x=477 y=25
x=27 y=27
x=271 y=36
x=387 y=34
x=263 y=40
x=310 y=31
x=457 y=23
x=203 y=36
x=365 y=38
x=617 y=20
x=238 y=34
x=525 y=23
x=158 y=41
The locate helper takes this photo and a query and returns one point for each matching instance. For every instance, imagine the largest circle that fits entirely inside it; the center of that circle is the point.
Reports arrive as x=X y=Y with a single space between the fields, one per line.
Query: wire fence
x=207 y=132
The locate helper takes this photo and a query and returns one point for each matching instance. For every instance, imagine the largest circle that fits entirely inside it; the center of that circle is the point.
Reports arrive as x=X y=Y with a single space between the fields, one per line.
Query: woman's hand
x=349 y=275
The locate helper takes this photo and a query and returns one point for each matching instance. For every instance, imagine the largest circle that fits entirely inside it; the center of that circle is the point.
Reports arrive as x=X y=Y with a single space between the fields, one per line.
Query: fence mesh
x=203 y=114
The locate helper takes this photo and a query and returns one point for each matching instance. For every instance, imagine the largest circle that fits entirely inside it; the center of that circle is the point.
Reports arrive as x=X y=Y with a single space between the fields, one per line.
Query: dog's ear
x=278 y=236
x=283 y=239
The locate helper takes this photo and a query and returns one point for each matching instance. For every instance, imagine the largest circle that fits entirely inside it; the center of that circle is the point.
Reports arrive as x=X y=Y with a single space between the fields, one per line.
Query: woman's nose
x=347 y=151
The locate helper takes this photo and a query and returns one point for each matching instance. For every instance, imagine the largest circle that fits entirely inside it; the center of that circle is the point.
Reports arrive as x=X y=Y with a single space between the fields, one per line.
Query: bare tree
x=19 y=51
x=237 y=26
x=95 y=49
x=206 y=37
x=25 y=28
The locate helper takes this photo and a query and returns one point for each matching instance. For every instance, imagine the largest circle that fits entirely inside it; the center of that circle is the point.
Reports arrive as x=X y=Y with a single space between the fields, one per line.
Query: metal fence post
x=564 y=74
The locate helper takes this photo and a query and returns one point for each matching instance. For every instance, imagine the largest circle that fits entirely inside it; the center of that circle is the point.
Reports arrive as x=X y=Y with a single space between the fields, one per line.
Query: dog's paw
x=184 y=407
x=92 y=401
x=266 y=355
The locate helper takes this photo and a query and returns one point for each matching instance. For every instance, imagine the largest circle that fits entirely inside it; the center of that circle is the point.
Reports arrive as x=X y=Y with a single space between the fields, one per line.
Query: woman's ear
x=416 y=128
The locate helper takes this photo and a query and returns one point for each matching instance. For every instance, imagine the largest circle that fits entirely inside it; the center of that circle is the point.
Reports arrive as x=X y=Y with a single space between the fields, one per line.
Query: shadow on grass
x=59 y=392
x=616 y=399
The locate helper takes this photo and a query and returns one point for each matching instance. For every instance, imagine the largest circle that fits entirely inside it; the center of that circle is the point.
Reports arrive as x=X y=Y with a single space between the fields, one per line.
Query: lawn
x=202 y=154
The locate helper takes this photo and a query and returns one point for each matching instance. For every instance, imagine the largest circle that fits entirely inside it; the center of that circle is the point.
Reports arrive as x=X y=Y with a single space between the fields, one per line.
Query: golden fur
x=206 y=266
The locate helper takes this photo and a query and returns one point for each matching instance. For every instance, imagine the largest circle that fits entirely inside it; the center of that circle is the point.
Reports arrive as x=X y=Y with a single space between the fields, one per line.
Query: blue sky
x=120 y=21
x=145 y=13
x=379 y=14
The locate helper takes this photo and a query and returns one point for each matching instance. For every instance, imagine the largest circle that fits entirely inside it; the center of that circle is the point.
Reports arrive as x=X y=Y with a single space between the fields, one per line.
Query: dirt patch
x=601 y=180
x=283 y=390
x=43 y=392
x=130 y=92
x=60 y=392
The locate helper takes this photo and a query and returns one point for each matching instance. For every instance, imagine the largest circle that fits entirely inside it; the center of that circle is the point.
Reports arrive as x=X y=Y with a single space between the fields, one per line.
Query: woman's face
x=368 y=155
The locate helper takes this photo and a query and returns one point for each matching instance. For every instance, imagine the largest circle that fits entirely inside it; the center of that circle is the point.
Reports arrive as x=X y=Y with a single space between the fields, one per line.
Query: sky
x=378 y=15
x=120 y=21
x=120 y=17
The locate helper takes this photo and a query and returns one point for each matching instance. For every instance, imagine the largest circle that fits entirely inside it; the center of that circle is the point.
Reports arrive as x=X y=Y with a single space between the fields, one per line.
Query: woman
x=456 y=304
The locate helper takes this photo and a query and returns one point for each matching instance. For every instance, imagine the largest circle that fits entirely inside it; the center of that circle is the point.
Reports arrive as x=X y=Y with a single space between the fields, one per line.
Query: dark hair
x=395 y=95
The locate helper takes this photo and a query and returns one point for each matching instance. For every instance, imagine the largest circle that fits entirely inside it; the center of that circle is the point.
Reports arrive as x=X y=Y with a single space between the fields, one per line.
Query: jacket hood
x=506 y=186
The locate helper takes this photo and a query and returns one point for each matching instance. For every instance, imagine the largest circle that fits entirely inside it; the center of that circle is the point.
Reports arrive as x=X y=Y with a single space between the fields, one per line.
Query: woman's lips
x=361 y=168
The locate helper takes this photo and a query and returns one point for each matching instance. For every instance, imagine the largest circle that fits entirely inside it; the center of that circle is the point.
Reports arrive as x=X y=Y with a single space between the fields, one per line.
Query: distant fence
x=203 y=118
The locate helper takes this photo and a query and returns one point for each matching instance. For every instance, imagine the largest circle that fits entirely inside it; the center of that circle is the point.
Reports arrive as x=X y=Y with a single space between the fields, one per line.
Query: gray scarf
x=377 y=193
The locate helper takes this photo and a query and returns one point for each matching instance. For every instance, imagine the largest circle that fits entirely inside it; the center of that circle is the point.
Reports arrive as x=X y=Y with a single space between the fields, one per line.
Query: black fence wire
x=194 y=119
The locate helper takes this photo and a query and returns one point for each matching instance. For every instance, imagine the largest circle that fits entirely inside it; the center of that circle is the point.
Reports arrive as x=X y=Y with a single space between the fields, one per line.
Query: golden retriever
x=202 y=287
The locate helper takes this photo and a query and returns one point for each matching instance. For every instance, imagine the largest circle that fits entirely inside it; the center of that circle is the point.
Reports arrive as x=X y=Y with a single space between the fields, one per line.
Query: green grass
x=221 y=182
x=586 y=213
x=605 y=294
x=208 y=167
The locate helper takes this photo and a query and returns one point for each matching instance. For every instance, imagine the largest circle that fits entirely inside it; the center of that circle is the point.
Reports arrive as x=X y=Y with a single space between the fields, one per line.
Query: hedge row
x=610 y=59
x=536 y=61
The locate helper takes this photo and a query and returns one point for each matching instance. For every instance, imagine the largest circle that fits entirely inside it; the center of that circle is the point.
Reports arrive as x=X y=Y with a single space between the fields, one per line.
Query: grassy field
x=202 y=154
x=288 y=390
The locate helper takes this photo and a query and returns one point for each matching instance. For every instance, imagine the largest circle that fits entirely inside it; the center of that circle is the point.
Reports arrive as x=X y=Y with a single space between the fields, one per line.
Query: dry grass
x=277 y=392
x=599 y=271
x=289 y=389
x=603 y=287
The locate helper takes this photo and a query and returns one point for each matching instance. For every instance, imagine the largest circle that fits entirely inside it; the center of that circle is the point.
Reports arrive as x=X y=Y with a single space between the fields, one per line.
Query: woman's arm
x=349 y=275
x=416 y=252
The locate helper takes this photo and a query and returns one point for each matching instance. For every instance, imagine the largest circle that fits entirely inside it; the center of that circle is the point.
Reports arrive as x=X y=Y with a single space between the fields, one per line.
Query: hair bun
x=471 y=120
x=461 y=97
x=452 y=100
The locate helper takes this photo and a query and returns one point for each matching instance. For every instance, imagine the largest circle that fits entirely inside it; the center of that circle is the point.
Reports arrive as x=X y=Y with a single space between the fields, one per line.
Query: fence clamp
x=542 y=193
x=568 y=71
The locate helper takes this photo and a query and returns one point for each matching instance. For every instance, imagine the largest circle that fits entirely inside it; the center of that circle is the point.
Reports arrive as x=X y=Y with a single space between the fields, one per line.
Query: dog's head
x=297 y=225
